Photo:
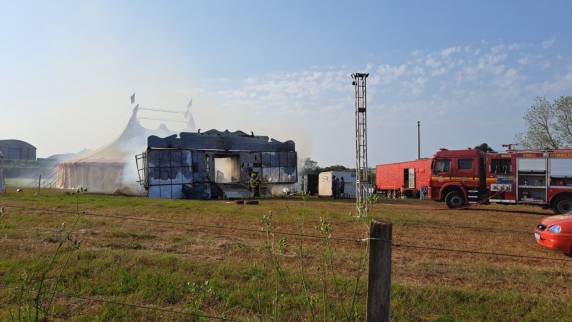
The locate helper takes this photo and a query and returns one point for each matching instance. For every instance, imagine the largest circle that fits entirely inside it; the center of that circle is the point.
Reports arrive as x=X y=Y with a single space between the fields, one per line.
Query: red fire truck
x=461 y=177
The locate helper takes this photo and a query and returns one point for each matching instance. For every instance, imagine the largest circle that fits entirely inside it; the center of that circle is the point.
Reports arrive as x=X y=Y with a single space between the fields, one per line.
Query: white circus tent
x=111 y=168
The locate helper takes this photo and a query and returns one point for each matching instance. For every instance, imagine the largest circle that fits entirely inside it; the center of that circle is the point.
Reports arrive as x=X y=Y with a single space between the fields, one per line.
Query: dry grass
x=225 y=272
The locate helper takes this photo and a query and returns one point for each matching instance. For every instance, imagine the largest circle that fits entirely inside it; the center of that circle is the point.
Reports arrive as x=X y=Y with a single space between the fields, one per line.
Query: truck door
x=466 y=168
x=411 y=184
x=482 y=172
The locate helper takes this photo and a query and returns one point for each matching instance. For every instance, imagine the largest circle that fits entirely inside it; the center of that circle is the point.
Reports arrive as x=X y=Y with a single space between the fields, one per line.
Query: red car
x=555 y=232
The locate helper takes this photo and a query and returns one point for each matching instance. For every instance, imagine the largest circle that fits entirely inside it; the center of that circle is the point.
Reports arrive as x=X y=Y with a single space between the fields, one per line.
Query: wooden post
x=379 y=277
x=39 y=183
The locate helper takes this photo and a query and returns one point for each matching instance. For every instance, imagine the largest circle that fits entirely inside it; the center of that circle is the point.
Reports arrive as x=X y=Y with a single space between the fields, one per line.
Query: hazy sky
x=466 y=69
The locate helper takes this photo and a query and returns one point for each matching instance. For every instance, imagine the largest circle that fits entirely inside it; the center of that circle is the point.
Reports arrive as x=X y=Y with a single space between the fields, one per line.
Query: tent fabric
x=111 y=168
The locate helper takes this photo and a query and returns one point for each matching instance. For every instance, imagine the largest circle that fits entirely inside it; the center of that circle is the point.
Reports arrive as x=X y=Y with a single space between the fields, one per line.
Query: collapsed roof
x=215 y=140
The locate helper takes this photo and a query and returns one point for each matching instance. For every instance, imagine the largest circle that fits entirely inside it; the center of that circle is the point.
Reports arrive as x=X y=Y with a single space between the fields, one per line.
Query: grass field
x=217 y=259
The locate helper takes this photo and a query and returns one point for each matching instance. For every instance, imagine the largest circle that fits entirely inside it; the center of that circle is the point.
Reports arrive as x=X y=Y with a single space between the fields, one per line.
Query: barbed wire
x=476 y=252
x=133 y=305
x=431 y=225
x=184 y=223
x=292 y=234
x=479 y=228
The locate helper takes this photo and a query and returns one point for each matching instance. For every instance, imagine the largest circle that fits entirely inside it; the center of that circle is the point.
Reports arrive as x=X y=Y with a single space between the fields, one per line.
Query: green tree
x=548 y=125
x=309 y=166
x=337 y=167
x=563 y=110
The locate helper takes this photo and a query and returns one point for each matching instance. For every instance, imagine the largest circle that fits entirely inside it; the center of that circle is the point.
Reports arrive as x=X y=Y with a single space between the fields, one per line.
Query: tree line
x=548 y=124
x=310 y=166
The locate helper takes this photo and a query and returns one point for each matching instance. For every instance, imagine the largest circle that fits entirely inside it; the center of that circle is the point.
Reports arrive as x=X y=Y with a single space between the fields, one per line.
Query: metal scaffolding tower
x=362 y=170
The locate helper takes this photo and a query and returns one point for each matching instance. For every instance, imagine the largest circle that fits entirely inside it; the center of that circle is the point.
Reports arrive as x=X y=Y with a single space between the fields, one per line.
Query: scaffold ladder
x=362 y=170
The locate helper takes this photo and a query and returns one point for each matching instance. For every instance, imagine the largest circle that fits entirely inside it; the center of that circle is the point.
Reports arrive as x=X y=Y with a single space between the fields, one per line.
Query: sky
x=468 y=70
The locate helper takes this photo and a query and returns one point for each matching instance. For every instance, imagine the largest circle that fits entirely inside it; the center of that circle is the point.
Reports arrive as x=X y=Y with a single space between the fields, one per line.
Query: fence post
x=379 y=276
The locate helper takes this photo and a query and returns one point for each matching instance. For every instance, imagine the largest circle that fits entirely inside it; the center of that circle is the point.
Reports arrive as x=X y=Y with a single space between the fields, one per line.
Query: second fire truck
x=463 y=177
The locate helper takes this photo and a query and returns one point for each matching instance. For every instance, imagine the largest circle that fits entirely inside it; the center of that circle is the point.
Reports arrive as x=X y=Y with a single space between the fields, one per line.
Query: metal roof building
x=17 y=150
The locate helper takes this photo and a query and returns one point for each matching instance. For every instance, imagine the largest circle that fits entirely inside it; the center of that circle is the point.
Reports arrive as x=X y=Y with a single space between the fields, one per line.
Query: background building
x=17 y=150
x=326 y=183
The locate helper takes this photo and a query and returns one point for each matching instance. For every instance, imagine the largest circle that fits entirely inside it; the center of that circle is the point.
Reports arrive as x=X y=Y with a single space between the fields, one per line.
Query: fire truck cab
x=462 y=177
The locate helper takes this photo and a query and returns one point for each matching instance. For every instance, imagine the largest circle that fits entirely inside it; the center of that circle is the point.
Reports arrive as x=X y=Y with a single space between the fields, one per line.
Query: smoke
x=127 y=182
x=282 y=190
x=29 y=173
x=112 y=168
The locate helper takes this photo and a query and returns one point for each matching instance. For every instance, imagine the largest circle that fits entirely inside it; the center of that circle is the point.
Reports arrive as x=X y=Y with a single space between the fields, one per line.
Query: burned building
x=215 y=164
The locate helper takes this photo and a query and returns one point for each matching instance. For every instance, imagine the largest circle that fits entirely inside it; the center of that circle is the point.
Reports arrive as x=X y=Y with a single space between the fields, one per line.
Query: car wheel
x=562 y=205
x=455 y=199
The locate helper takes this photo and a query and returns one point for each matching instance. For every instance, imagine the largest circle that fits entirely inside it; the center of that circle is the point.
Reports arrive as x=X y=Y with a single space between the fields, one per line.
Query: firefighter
x=335 y=187
x=422 y=192
x=254 y=185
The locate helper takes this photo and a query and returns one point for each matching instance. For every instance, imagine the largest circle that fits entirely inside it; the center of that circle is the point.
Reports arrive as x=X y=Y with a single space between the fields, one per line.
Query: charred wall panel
x=168 y=170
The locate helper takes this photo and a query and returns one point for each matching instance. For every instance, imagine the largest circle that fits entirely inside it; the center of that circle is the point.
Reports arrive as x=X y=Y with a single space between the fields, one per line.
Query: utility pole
x=362 y=170
x=418 y=140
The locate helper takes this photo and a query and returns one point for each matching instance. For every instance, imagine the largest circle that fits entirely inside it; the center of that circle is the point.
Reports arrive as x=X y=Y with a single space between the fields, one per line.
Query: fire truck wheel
x=455 y=199
x=562 y=204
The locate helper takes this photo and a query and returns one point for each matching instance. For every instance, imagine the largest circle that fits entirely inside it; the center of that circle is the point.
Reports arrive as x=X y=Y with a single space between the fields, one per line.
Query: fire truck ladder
x=362 y=170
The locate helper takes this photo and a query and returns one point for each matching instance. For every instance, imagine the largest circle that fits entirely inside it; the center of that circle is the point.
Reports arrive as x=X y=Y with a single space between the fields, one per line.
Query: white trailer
x=326 y=179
